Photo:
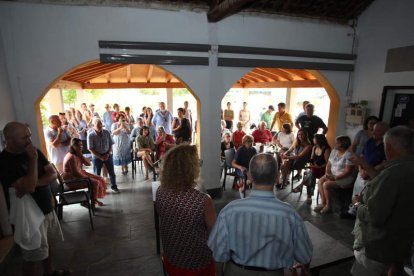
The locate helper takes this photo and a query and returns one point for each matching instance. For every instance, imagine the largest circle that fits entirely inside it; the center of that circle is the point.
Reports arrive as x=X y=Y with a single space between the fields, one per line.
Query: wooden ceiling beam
x=254 y=78
x=92 y=75
x=149 y=73
x=92 y=69
x=285 y=84
x=63 y=84
x=247 y=79
x=259 y=76
x=133 y=85
x=220 y=10
x=276 y=75
x=298 y=73
x=128 y=73
x=282 y=74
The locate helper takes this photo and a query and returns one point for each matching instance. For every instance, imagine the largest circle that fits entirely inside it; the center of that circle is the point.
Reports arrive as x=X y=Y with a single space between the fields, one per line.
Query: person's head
x=263 y=170
x=185 y=104
x=320 y=141
x=107 y=107
x=181 y=112
x=54 y=122
x=116 y=107
x=244 y=105
x=97 y=124
x=399 y=142
x=127 y=109
x=18 y=137
x=161 y=131
x=149 y=110
x=79 y=115
x=287 y=128
x=380 y=128
x=262 y=125
x=76 y=145
x=239 y=126
x=181 y=168
x=144 y=131
x=304 y=104
x=140 y=122
x=228 y=105
x=62 y=118
x=161 y=105
x=302 y=137
x=120 y=117
x=271 y=108
x=226 y=137
x=92 y=107
x=309 y=109
x=342 y=143
x=247 y=141
x=84 y=107
x=369 y=122
x=281 y=107
x=68 y=114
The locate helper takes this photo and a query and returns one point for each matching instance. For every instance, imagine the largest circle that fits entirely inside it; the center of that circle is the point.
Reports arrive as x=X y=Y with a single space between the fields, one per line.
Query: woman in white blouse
x=339 y=173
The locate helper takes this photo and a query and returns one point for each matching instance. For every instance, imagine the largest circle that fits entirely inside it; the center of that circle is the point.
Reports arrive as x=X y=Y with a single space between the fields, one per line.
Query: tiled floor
x=123 y=242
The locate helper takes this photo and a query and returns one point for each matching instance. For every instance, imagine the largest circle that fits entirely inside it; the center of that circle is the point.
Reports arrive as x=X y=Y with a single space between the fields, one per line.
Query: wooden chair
x=69 y=197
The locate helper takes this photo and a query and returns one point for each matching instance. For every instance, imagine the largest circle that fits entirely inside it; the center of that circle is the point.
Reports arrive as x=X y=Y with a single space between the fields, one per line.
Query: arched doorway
x=268 y=86
x=95 y=75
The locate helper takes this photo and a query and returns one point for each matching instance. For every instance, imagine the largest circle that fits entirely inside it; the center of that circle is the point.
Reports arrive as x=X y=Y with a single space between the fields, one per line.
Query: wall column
x=291 y=95
x=55 y=101
x=170 y=105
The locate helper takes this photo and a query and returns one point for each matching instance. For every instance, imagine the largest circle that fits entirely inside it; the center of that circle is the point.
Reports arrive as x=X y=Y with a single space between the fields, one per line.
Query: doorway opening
x=129 y=85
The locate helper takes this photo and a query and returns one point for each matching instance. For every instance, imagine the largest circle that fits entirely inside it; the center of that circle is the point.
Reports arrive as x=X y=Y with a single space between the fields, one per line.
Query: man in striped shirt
x=260 y=233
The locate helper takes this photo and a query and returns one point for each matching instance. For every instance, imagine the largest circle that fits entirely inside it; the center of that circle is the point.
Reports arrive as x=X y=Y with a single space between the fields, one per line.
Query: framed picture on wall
x=397 y=105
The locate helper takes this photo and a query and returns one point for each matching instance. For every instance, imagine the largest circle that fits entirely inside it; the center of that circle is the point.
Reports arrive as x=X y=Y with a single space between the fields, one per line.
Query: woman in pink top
x=72 y=169
x=164 y=142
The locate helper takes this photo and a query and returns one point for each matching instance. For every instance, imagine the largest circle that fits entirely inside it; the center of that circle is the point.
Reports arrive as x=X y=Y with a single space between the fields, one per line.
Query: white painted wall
x=41 y=42
x=384 y=25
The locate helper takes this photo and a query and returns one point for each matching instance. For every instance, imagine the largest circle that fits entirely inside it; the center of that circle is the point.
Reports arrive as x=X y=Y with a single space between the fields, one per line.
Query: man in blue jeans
x=100 y=145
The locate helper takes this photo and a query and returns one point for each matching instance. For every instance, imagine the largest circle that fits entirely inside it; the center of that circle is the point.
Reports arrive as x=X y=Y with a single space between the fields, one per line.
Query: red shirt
x=262 y=136
x=237 y=138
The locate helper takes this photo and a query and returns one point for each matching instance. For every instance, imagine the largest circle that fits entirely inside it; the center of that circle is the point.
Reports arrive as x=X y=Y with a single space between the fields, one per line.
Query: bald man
x=25 y=168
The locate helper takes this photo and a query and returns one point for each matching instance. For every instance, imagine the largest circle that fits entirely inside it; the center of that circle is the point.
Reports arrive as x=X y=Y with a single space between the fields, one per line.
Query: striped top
x=260 y=231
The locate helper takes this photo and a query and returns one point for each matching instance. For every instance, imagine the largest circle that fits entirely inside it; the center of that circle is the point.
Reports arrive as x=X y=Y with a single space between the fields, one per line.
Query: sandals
x=319 y=208
x=298 y=189
x=99 y=203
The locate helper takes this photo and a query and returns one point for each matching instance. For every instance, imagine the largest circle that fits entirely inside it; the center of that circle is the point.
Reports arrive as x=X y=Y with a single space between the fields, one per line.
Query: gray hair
x=401 y=137
x=96 y=120
x=263 y=169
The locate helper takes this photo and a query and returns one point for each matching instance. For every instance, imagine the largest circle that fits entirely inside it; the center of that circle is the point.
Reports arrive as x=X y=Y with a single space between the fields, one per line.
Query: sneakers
x=115 y=190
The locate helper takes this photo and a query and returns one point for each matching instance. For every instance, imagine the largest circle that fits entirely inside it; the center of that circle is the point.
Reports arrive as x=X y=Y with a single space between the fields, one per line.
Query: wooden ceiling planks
x=110 y=76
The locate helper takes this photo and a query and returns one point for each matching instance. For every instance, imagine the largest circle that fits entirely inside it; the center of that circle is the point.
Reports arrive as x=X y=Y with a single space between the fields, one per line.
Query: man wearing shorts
x=26 y=169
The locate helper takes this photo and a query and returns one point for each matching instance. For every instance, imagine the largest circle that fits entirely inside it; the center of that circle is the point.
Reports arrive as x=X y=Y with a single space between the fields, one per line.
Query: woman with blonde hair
x=186 y=215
